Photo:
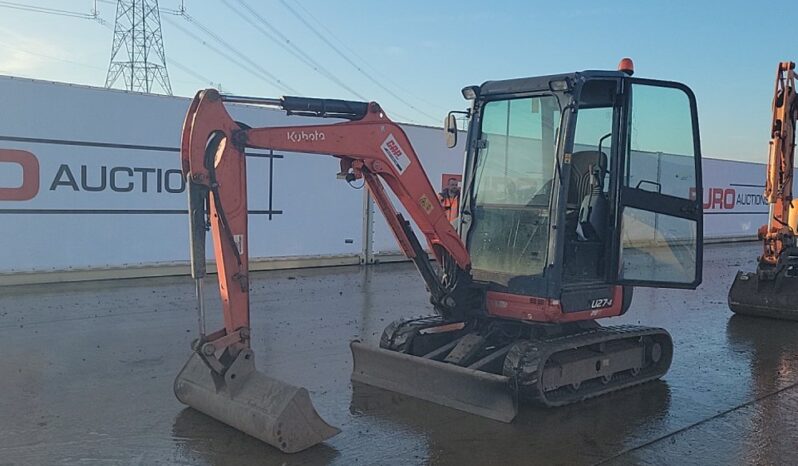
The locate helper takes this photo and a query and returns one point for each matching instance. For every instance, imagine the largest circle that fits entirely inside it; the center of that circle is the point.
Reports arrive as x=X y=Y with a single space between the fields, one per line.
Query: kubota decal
x=302 y=136
x=395 y=154
x=30 y=175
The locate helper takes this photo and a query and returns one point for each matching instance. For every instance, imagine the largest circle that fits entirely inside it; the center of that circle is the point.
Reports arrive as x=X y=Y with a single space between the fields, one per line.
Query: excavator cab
x=577 y=188
x=578 y=183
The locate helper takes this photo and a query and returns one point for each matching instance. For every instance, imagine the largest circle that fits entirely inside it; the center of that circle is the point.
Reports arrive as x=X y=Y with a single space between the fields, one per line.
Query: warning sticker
x=425 y=204
x=395 y=154
x=239 y=240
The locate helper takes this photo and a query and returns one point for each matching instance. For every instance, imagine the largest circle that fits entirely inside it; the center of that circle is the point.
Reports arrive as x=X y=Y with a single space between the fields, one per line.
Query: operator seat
x=585 y=193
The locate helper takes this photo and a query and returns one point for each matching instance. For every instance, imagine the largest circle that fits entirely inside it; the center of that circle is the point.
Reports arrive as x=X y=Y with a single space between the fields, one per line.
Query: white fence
x=97 y=183
x=90 y=180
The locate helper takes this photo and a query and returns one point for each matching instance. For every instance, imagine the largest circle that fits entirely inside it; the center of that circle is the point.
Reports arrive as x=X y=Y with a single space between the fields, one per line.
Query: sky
x=414 y=56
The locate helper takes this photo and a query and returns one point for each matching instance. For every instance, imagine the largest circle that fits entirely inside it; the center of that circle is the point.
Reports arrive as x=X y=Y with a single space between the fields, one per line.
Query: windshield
x=512 y=185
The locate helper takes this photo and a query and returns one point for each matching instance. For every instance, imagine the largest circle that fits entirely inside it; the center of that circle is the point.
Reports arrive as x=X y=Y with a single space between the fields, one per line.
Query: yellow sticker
x=566 y=158
x=425 y=204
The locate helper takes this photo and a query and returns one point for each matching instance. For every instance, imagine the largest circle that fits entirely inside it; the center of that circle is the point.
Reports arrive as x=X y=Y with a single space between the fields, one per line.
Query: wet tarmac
x=87 y=372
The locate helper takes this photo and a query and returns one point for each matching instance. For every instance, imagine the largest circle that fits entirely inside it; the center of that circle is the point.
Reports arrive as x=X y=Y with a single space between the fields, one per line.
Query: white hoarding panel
x=734 y=205
x=109 y=191
x=90 y=178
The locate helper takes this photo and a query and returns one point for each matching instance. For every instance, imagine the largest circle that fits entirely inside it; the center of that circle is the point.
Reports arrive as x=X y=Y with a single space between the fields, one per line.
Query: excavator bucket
x=273 y=411
x=473 y=391
x=777 y=299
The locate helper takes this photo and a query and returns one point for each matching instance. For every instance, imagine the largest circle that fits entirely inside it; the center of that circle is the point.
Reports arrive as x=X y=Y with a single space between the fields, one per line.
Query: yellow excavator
x=772 y=291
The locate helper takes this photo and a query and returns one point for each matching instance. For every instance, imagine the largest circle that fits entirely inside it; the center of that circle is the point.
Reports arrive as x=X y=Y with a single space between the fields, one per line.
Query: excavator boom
x=220 y=378
x=772 y=291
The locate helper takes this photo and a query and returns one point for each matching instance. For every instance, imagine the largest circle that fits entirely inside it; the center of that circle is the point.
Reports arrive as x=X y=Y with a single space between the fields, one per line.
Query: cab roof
x=540 y=83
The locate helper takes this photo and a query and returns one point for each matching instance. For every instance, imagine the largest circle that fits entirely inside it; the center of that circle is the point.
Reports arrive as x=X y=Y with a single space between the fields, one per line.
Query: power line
x=343 y=44
x=270 y=31
x=188 y=70
x=94 y=16
x=351 y=62
x=243 y=62
x=294 y=50
x=252 y=66
x=199 y=77
x=169 y=11
x=225 y=55
x=268 y=77
x=233 y=49
x=45 y=10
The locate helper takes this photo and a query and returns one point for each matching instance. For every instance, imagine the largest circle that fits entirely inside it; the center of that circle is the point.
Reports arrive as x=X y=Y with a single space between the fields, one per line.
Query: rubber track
x=525 y=363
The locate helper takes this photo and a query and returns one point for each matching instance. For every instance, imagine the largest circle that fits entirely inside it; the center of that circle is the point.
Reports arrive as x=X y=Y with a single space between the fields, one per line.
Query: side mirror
x=450 y=128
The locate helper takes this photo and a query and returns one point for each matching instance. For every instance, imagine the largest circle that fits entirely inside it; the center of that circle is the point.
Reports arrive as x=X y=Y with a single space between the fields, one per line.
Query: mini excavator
x=772 y=291
x=577 y=187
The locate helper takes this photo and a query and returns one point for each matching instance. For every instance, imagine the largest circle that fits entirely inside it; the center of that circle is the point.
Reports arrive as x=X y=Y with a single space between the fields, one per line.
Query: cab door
x=658 y=215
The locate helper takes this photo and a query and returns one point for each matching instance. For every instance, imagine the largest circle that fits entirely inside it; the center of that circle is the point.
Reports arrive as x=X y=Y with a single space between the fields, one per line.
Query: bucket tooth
x=268 y=409
x=477 y=392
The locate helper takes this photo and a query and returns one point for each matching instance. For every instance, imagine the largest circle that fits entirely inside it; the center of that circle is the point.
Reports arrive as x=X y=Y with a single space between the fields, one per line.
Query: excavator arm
x=370 y=147
x=773 y=290
x=779 y=233
x=219 y=378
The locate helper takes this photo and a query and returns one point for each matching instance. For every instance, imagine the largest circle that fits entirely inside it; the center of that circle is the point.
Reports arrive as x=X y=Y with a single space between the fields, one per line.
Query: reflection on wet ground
x=89 y=370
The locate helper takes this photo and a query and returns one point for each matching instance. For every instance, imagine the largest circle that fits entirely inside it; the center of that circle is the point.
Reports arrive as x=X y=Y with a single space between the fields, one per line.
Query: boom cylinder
x=308 y=106
x=196 y=221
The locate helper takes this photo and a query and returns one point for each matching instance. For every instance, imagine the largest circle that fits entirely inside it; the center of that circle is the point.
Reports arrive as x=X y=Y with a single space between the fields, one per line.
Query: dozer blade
x=777 y=299
x=275 y=412
x=477 y=392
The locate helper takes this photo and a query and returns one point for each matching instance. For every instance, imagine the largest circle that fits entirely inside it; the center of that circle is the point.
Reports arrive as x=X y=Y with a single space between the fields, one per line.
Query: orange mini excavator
x=577 y=187
x=772 y=291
